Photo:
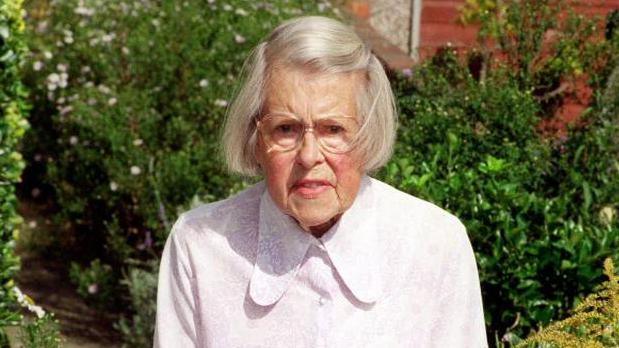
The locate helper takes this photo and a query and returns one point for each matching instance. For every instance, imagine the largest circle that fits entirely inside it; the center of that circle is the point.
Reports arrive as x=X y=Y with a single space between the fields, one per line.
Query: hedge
x=13 y=125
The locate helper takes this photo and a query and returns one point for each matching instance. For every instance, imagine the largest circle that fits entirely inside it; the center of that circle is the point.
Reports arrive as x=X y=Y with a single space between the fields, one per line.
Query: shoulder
x=414 y=218
x=239 y=211
x=405 y=207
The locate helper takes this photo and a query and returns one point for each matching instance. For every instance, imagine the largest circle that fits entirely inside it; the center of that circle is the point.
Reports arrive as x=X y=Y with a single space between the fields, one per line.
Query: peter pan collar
x=350 y=244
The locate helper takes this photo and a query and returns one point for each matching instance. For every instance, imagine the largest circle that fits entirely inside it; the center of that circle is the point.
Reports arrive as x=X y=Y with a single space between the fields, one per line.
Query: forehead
x=305 y=93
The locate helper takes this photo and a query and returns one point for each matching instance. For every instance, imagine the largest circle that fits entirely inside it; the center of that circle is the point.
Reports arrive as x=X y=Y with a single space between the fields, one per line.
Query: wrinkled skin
x=312 y=185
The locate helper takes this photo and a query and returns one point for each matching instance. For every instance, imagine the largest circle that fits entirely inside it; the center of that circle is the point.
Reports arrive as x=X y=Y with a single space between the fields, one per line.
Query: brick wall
x=439 y=22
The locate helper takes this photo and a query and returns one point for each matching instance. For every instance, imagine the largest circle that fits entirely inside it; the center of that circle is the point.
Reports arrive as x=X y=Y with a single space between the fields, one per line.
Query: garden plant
x=40 y=332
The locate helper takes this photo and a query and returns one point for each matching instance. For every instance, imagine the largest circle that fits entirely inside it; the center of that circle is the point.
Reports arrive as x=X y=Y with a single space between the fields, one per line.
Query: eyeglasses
x=281 y=133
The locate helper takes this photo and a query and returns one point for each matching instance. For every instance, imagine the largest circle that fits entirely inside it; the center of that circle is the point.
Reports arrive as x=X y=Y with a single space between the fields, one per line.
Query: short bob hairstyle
x=321 y=45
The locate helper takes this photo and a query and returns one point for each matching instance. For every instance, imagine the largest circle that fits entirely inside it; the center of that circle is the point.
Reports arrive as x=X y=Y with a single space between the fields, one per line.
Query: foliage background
x=128 y=98
x=13 y=124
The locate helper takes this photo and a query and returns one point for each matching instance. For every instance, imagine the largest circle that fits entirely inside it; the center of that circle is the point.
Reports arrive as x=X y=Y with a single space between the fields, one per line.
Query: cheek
x=348 y=174
x=278 y=170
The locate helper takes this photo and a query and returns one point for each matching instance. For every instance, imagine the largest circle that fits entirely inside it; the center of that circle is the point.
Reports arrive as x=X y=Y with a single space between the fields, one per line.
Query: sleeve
x=175 y=324
x=460 y=315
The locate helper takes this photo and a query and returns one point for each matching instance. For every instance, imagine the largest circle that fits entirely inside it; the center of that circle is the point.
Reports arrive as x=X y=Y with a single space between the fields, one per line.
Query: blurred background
x=111 y=113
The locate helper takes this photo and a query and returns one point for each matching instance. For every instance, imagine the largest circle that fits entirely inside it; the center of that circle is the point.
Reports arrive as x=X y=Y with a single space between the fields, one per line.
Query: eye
x=284 y=128
x=334 y=129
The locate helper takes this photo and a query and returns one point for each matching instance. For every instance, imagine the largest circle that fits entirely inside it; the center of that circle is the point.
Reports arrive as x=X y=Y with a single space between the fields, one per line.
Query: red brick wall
x=439 y=22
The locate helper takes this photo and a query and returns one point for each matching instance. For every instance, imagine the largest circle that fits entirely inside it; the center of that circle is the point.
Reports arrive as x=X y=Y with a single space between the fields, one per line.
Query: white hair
x=323 y=45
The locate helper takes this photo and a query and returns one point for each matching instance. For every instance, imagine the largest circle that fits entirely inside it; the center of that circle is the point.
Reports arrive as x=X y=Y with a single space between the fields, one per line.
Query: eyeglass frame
x=306 y=128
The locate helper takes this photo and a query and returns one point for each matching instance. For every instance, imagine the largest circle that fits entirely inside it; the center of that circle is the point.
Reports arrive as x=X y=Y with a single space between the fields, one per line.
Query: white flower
x=104 y=89
x=94 y=41
x=93 y=288
x=607 y=215
x=37 y=65
x=84 y=11
x=65 y=110
x=203 y=83
x=73 y=140
x=85 y=69
x=27 y=302
x=108 y=37
x=210 y=1
x=112 y=101
x=68 y=39
x=227 y=7
x=125 y=50
x=32 y=224
x=60 y=100
x=138 y=142
x=34 y=193
x=221 y=103
x=239 y=39
x=53 y=78
x=20 y=295
x=91 y=101
x=38 y=157
x=113 y=186
x=47 y=55
x=135 y=170
x=38 y=310
x=89 y=84
x=155 y=22
x=63 y=80
x=241 y=12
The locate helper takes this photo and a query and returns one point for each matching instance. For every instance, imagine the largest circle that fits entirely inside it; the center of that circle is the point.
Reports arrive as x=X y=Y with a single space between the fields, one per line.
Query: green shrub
x=42 y=332
x=541 y=211
x=12 y=127
x=95 y=283
x=594 y=323
x=141 y=283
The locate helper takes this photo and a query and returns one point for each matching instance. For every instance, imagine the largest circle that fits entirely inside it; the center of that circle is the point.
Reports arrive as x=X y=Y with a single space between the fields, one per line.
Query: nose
x=309 y=154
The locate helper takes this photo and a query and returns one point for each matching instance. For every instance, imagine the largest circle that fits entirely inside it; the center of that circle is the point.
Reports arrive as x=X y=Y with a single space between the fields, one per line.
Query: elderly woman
x=318 y=254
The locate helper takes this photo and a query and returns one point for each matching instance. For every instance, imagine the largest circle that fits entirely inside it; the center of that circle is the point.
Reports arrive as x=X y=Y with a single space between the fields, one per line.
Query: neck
x=319 y=230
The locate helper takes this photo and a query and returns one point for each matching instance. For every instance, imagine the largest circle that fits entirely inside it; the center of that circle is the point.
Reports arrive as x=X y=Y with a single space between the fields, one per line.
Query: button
x=322 y=301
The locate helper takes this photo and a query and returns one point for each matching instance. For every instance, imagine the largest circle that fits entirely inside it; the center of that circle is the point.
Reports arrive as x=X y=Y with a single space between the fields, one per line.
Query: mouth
x=310 y=188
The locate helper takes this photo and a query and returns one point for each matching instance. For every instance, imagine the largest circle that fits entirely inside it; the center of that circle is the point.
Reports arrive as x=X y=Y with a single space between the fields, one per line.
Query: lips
x=308 y=188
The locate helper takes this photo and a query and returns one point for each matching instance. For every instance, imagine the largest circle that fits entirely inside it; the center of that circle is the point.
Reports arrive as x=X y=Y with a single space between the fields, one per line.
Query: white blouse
x=394 y=271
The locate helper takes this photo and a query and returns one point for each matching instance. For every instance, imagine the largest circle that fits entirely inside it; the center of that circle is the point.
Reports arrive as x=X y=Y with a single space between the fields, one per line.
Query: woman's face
x=310 y=184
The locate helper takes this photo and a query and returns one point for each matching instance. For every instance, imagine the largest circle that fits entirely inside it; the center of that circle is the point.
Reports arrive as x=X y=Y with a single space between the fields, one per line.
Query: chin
x=313 y=213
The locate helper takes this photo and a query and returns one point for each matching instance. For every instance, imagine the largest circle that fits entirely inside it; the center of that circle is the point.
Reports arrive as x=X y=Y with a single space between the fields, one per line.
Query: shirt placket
x=321 y=273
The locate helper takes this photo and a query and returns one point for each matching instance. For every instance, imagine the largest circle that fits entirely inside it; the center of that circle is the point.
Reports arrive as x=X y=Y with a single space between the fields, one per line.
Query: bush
x=594 y=323
x=95 y=283
x=541 y=211
x=43 y=332
x=141 y=283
